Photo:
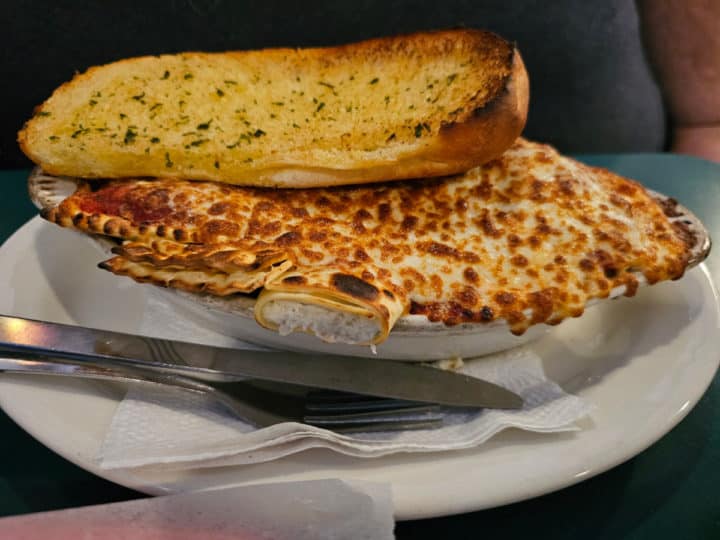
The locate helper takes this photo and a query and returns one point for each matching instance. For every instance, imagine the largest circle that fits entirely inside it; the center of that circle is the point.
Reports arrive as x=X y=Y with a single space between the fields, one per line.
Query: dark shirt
x=591 y=89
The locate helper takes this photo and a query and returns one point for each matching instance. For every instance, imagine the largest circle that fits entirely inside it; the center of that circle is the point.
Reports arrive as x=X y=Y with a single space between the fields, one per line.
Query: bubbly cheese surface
x=530 y=237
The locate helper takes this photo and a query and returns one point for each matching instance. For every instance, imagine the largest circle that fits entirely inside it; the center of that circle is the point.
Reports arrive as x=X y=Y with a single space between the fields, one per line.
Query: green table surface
x=671 y=490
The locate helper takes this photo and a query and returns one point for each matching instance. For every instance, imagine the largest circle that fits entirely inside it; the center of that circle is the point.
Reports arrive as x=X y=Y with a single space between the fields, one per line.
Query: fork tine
x=344 y=412
x=389 y=426
x=374 y=417
x=321 y=395
x=337 y=411
x=378 y=404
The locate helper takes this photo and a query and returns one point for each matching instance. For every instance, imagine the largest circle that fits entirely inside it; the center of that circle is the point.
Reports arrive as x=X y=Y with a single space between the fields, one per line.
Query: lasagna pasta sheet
x=370 y=310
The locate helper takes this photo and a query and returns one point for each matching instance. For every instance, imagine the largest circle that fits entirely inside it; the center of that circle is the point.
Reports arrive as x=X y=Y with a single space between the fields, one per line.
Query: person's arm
x=682 y=38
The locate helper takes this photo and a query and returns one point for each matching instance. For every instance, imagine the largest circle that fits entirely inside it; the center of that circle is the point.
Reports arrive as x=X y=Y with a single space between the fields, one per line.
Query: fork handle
x=65 y=368
x=237 y=404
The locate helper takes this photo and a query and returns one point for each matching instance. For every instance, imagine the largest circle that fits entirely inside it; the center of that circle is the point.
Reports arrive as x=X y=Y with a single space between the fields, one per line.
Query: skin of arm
x=682 y=39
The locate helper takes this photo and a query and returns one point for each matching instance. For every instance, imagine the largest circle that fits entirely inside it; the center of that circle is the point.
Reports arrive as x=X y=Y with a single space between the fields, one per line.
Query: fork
x=260 y=403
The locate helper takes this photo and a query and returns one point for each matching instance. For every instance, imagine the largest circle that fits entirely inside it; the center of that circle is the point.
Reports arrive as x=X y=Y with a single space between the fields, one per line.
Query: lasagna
x=531 y=237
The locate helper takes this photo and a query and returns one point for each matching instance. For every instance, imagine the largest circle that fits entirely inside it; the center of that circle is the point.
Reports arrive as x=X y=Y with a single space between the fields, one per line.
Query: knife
x=370 y=376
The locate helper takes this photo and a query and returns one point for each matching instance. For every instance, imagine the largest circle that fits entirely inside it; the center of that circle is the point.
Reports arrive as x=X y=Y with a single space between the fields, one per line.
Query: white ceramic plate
x=644 y=362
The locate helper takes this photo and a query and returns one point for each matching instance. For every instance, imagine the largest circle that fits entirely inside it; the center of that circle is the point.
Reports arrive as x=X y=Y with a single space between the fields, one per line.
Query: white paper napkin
x=311 y=510
x=176 y=429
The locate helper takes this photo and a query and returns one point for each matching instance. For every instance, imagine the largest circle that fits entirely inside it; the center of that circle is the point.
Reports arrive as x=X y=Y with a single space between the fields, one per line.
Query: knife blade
x=371 y=376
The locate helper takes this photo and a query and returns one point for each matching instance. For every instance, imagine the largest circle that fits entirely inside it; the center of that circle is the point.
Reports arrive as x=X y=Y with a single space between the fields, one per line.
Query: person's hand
x=699 y=141
x=683 y=44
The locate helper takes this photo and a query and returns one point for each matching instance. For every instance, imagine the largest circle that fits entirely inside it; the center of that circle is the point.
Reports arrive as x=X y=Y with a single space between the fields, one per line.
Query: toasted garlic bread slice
x=413 y=106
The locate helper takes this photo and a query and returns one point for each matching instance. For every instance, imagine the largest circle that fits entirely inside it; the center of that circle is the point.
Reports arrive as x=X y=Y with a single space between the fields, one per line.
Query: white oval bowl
x=412 y=338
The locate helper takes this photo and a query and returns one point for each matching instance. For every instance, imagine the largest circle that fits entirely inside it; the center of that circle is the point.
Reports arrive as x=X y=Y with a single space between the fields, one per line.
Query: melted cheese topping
x=530 y=237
